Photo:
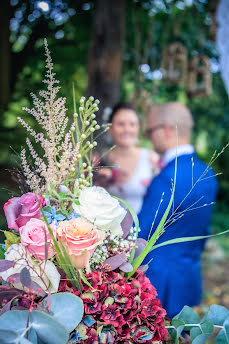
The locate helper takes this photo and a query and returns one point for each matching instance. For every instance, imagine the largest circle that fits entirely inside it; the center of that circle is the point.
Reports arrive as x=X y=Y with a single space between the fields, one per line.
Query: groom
x=175 y=270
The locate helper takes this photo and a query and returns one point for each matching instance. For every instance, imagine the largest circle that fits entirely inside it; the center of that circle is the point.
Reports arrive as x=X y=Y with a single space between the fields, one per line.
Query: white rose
x=97 y=205
x=50 y=275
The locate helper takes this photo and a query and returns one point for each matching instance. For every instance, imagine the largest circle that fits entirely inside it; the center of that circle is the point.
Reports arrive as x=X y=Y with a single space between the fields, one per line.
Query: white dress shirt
x=177 y=151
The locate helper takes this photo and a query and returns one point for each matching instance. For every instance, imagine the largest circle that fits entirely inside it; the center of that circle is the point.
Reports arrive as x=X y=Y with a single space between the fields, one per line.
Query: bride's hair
x=120 y=106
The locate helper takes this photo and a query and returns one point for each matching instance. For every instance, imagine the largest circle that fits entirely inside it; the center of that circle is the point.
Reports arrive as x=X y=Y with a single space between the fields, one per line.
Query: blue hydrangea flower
x=53 y=217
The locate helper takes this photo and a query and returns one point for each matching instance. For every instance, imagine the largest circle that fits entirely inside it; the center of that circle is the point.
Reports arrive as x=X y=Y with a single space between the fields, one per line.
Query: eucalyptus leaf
x=7 y=337
x=116 y=261
x=136 y=222
x=188 y=316
x=25 y=277
x=67 y=309
x=6 y=264
x=217 y=314
x=222 y=337
x=173 y=334
x=25 y=341
x=43 y=326
x=15 y=321
x=126 y=267
x=201 y=339
x=126 y=224
x=200 y=333
x=48 y=329
x=179 y=326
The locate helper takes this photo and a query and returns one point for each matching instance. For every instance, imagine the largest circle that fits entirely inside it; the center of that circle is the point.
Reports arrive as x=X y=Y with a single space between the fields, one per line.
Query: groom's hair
x=176 y=115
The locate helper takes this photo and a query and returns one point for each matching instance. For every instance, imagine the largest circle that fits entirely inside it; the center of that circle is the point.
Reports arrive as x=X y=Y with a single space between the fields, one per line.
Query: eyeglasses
x=150 y=131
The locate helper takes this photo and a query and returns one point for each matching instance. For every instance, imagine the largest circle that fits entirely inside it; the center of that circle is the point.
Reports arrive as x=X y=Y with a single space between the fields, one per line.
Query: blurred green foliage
x=150 y=26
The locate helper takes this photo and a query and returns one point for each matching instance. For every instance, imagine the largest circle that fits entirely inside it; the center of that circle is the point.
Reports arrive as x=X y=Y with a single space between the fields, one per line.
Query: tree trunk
x=4 y=55
x=105 y=55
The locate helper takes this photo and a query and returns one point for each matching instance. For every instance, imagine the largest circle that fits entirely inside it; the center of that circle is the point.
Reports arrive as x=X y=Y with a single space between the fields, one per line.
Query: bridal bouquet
x=70 y=265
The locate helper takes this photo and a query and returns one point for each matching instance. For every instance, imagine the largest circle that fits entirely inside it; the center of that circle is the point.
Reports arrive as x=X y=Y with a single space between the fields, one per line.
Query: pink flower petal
x=12 y=209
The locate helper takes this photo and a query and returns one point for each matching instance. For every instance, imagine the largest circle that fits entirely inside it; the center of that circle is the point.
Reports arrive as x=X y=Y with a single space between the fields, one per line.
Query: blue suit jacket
x=175 y=269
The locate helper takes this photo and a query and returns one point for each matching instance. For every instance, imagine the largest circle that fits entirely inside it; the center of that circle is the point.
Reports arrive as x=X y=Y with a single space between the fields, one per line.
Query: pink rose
x=33 y=237
x=19 y=210
x=80 y=238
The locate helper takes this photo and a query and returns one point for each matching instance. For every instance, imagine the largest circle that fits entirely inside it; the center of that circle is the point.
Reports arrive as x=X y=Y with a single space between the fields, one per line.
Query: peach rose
x=80 y=238
x=33 y=236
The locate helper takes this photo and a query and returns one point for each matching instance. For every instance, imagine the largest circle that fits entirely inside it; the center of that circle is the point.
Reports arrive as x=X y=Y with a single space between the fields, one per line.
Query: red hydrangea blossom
x=130 y=308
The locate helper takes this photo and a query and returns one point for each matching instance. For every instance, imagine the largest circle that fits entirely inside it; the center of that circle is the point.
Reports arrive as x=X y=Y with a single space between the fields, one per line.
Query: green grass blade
x=84 y=279
x=184 y=239
x=74 y=277
x=138 y=261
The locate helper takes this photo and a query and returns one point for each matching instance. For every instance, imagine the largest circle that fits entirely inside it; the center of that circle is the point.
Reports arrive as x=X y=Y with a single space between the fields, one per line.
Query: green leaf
x=2 y=252
x=76 y=202
x=200 y=334
x=178 y=328
x=188 y=316
x=47 y=208
x=9 y=336
x=201 y=339
x=84 y=279
x=217 y=314
x=11 y=237
x=223 y=336
x=63 y=306
x=47 y=329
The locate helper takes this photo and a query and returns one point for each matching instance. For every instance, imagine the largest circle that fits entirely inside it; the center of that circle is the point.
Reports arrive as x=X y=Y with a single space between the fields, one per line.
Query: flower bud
x=91 y=98
x=83 y=136
x=97 y=127
x=63 y=189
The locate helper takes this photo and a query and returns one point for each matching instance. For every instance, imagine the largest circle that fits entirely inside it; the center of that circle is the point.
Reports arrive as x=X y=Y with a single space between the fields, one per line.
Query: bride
x=132 y=167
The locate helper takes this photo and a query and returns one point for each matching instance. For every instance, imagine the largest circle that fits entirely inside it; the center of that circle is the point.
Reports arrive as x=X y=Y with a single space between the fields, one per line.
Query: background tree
x=106 y=52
